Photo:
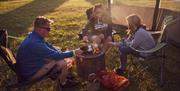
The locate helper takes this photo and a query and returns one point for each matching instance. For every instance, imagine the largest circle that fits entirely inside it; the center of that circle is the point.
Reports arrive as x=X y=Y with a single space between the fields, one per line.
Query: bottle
x=90 y=49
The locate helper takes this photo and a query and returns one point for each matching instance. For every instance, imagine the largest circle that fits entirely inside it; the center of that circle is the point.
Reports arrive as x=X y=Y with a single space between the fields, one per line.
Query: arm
x=86 y=28
x=52 y=47
x=41 y=49
x=138 y=38
x=116 y=44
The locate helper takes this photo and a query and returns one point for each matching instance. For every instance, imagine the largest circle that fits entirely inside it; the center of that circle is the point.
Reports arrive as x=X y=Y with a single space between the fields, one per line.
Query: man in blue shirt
x=34 y=51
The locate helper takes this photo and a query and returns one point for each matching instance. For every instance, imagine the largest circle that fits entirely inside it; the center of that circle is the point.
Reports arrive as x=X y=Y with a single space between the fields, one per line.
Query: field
x=69 y=18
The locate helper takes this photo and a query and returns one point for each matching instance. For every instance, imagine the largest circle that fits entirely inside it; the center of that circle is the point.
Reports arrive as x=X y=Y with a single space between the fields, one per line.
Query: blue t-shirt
x=32 y=55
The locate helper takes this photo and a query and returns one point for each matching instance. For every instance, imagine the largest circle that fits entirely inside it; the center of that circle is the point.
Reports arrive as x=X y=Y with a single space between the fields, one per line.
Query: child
x=97 y=26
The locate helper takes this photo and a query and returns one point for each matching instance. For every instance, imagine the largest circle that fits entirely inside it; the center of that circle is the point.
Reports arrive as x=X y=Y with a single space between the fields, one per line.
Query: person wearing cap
x=36 y=57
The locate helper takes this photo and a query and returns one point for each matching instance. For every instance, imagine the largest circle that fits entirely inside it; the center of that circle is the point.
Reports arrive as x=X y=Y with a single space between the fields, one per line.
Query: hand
x=110 y=43
x=102 y=36
x=69 y=62
x=78 y=52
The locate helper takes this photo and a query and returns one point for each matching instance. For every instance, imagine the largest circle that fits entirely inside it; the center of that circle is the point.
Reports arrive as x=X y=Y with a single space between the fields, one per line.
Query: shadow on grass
x=18 y=20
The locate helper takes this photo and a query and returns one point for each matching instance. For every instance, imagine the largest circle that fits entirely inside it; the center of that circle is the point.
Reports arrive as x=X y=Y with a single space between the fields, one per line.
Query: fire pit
x=94 y=49
x=90 y=64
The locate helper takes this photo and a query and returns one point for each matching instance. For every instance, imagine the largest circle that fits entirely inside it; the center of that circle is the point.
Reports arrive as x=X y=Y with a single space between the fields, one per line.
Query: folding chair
x=9 y=58
x=157 y=51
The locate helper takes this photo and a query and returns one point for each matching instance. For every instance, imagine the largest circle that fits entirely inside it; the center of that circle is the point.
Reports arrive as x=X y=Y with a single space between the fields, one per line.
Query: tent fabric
x=172 y=31
x=120 y=12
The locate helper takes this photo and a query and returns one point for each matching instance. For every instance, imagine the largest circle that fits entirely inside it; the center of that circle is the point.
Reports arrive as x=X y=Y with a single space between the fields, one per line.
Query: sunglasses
x=47 y=28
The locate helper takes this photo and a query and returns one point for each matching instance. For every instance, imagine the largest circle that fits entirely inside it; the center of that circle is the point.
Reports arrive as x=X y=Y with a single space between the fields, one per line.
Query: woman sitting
x=138 y=38
x=97 y=26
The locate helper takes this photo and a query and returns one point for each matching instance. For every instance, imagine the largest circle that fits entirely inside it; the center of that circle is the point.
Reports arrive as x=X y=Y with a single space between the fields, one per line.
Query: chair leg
x=137 y=65
x=162 y=72
x=58 y=87
x=15 y=89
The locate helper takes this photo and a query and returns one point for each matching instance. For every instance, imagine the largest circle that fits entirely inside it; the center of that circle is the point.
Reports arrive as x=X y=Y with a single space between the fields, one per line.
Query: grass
x=69 y=16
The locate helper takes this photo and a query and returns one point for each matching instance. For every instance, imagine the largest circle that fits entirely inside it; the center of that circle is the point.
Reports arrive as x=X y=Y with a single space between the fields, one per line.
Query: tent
x=172 y=35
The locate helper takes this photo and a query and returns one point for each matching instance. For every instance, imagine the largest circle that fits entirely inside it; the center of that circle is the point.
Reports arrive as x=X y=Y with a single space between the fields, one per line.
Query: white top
x=142 y=40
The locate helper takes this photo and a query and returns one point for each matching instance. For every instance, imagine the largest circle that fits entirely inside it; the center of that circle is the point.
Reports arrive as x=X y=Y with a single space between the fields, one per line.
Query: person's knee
x=96 y=39
x=109 y=39
x=61 y=64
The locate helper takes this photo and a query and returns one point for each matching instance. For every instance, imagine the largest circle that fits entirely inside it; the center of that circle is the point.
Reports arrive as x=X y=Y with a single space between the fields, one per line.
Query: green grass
x=69 y=16
x=7 y=6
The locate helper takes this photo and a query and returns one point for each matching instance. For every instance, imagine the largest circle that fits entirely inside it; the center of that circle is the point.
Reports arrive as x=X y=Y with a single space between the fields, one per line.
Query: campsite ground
x=69 y=16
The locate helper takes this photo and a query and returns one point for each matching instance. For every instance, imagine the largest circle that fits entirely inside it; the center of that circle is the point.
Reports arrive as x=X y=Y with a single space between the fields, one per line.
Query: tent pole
x=156 y=11
x=109 y=11
x=109 y=7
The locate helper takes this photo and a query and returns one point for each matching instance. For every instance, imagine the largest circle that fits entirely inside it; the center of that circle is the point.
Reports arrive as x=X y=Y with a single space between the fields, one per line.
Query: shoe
x=70 y=83
x=120 y=72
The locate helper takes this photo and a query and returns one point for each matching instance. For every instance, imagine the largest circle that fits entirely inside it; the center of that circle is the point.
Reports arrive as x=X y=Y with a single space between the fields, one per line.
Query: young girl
x=138 y=38
x=97 y=27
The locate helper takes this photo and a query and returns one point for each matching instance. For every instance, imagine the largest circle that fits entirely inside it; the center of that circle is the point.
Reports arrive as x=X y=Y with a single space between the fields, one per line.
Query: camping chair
x=7 y=55
x=157 y=51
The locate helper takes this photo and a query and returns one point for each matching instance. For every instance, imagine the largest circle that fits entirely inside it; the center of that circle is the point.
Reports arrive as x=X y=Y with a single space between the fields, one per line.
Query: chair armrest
x=153 y=50
x=155 y=32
